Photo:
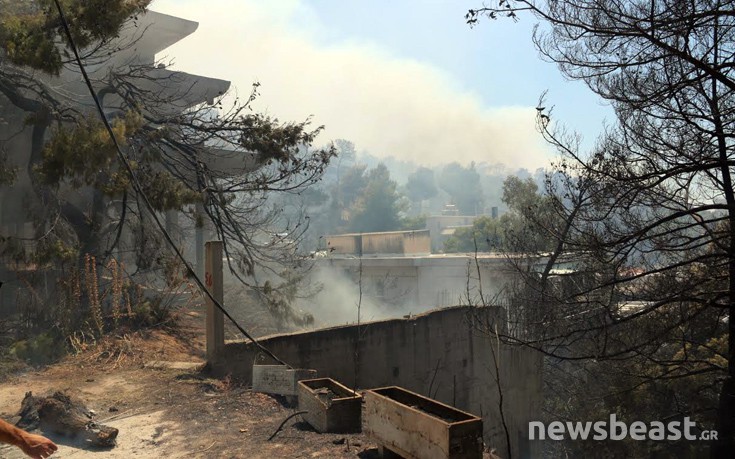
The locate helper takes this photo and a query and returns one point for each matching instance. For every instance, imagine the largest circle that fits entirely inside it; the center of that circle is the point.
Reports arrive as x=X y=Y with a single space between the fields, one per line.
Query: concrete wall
x=391 y=242
x=344 y=243
x=440 y=354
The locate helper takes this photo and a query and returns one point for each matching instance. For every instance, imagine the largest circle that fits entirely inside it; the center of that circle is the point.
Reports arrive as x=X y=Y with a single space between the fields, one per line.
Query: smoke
x=385 y=105
x=333 y=300
x=338 y=299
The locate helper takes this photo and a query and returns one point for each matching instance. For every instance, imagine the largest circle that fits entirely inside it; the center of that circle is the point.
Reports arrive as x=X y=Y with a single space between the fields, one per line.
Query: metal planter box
x=279 y=379
x=331 y=406
x=418 y=427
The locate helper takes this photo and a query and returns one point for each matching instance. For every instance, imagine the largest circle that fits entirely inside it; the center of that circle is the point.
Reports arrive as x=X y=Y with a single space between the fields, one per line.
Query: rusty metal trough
x=330 y=406
x=417 y=427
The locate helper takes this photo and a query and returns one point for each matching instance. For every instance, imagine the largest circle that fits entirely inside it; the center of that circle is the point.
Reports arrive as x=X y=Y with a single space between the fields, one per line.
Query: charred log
x=64 y=415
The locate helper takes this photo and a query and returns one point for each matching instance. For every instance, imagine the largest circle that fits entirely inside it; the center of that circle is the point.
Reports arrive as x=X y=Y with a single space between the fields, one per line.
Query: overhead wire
x=139 y=189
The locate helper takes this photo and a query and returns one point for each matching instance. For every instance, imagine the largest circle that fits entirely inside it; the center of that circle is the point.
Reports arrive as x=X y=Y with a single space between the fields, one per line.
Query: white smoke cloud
x=338 y=298
x=384 y=104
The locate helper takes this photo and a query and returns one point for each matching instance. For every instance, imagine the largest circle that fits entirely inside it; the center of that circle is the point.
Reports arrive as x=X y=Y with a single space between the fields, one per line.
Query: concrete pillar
x=213 y=281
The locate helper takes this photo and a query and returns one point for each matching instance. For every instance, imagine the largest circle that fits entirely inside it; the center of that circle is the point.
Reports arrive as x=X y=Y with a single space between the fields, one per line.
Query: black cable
x=284 y=423
x=139 y=189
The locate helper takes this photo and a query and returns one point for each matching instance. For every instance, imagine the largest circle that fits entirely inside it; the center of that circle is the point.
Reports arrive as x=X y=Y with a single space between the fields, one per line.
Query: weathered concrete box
x=279 y=379
x=417 y=427
x=331 y=406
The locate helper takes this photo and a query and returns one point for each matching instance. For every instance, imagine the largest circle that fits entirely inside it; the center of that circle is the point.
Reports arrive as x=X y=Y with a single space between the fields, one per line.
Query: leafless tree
x=650 y=213
x=191 y=149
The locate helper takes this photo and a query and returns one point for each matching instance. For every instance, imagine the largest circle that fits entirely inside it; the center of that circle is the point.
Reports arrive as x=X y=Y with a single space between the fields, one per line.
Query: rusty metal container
x=331 y=406
x=417 y=427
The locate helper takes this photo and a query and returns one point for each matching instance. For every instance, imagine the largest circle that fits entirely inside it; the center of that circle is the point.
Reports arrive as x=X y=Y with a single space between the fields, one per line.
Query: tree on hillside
x=413 y=223
x=346 y=152
x=420 y=186
x=527 y=209
x=463 y=186
x=515 y=230
x=171 y=135
x=344 y=194
x=354 y=180
x=650 y=214
x=378 y=207
x=342 y=172
x=362 y=200
x=485 y=235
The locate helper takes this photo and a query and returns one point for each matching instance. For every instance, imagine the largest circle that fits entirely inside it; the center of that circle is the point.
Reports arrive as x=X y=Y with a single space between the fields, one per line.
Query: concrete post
x=213 y=282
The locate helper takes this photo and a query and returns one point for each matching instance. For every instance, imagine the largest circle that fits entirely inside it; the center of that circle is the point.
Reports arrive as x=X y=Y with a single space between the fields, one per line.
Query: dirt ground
x=149 y=386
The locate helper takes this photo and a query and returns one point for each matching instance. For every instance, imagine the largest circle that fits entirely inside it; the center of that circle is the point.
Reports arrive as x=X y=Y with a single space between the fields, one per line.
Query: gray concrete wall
x=414 y=242
x=441 y=354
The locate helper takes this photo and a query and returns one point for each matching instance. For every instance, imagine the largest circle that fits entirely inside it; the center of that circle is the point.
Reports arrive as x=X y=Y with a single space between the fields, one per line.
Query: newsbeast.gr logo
x=618 y=430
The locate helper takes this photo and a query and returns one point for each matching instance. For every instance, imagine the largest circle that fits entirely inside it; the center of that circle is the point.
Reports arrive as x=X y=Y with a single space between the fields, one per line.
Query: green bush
x=39 y=349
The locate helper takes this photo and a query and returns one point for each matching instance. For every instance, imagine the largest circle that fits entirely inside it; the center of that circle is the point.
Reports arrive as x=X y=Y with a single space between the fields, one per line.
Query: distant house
x=140 y=42
x=397 y=270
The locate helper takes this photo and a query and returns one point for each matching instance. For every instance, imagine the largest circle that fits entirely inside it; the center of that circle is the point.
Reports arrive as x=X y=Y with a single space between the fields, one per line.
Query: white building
x=139 y=44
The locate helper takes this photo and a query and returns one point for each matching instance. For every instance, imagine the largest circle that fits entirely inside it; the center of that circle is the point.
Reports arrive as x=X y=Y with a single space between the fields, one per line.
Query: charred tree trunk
x=64 y=415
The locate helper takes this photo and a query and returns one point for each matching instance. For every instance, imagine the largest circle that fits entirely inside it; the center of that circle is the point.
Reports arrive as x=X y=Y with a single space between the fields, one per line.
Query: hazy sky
x=408 y=79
